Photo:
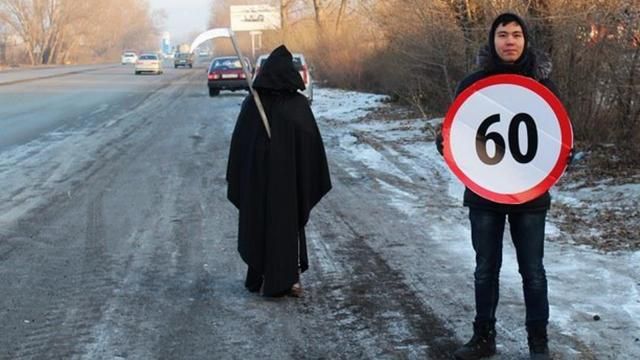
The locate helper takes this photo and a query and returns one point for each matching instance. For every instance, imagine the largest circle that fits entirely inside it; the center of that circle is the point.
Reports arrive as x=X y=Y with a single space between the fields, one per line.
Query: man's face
x=509 y=42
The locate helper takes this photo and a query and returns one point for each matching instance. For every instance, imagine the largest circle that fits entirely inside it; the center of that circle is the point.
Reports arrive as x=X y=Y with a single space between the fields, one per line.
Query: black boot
x=538 y=342
x=482 y=344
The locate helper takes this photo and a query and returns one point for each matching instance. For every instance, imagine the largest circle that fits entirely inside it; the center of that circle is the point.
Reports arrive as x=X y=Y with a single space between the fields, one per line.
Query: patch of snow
x=344 y=105
x=375 y=160
x=401 y=200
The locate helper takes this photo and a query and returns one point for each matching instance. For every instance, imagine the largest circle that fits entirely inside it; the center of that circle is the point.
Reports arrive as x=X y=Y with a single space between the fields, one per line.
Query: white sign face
x=254 y=17
x=508 y=139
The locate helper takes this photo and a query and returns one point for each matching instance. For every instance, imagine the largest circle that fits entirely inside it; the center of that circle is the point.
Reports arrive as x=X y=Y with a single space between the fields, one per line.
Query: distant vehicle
x=225 y=73
x=129 y=58
x=149 y=63
x=183 y=59
x=300 y=64
x=183 y=48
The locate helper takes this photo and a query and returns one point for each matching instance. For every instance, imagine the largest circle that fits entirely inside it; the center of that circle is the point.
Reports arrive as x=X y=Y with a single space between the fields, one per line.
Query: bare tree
x=285 y=6
x=319 y=10
x=219 y=13
x=23 y=18
x=542 y=25
x=341 y=13
x=3 y=44
x=55 y=31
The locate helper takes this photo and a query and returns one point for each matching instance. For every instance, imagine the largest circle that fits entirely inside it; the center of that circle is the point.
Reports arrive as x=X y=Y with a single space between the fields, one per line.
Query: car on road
x=128 y=57
x=226 y=73
x=149 y=62
x=183 y=59
x=300 y=64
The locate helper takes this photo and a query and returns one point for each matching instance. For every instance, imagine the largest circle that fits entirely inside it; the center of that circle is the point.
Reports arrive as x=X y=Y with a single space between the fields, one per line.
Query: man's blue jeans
x=527 y=233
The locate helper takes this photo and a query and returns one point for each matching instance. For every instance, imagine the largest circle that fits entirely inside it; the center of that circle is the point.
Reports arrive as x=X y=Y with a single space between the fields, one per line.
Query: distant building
x=165 y=46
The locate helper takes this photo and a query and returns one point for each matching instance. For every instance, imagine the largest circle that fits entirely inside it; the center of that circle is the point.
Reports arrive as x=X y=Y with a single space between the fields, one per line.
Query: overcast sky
x=183 y=17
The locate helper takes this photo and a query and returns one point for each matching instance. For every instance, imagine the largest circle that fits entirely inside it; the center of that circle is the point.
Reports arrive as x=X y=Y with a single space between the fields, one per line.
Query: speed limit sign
x=507 y=138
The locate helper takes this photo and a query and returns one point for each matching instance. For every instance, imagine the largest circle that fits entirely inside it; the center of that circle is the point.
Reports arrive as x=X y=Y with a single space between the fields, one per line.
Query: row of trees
x=417 y=51
x=64 y=31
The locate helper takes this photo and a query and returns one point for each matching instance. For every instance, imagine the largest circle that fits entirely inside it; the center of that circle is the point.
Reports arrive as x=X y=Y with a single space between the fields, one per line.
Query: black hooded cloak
x=276 y=182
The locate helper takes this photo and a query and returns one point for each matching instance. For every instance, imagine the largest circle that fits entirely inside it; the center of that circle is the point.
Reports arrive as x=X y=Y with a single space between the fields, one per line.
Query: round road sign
x=507 y=138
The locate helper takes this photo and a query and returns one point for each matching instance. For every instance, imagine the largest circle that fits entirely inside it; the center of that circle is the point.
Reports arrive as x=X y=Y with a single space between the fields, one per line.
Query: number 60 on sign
x=507 y=138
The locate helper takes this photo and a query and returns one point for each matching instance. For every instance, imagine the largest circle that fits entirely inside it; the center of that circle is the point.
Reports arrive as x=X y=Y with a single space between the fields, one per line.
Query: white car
x=301 y=65
x=149 y=63
x=129 y=58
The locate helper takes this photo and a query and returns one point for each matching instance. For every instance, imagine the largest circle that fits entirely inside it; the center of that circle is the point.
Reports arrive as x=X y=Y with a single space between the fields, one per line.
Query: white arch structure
x=209 y=35
x=226 y=32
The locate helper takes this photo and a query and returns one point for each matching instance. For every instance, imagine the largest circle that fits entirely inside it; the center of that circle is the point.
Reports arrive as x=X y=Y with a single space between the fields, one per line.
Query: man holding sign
x=508 y=139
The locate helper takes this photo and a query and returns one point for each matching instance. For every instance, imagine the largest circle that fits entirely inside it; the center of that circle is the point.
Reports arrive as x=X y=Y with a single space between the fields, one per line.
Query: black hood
x=531 y=63
x=278 y=73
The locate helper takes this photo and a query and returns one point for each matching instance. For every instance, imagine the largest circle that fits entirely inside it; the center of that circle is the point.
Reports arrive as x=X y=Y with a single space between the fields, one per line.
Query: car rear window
x=148 y=57
x=226 y=64
x=129 y=55
x=297 y=64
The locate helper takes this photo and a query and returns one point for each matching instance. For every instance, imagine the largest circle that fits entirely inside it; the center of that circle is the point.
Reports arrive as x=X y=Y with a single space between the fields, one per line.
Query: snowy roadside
x=600 y=209
x=594 y=291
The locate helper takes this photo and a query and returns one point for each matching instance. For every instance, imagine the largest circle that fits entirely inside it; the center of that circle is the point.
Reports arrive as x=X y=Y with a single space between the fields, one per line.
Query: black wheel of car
x=137 y=72
x=214 y=92
x=175 y=66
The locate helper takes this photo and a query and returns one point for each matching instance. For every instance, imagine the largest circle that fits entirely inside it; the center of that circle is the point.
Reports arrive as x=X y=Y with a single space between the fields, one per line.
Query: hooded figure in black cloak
x=276 y=182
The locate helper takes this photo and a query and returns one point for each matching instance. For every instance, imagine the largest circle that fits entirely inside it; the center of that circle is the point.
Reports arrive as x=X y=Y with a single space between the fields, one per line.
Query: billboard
x=254 y=17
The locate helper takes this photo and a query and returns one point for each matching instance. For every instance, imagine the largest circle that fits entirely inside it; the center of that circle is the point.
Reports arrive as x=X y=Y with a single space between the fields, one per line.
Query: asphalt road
x=117 y=241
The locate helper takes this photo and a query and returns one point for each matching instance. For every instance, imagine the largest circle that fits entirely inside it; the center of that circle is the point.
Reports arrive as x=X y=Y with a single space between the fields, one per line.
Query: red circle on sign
x=565 y=129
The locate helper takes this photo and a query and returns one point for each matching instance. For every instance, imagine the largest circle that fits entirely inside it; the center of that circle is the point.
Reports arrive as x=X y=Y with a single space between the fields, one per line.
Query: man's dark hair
x=504 y=19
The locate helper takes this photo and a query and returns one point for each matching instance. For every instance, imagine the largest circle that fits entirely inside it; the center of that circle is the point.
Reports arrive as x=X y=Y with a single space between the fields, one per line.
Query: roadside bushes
x=417 y=51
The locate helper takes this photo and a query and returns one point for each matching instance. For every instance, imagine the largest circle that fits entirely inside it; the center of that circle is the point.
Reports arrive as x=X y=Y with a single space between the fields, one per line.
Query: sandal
x=296 y=290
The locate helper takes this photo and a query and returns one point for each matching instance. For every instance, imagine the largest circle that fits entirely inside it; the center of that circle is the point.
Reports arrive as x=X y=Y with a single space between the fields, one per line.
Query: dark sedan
x=225 y=73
